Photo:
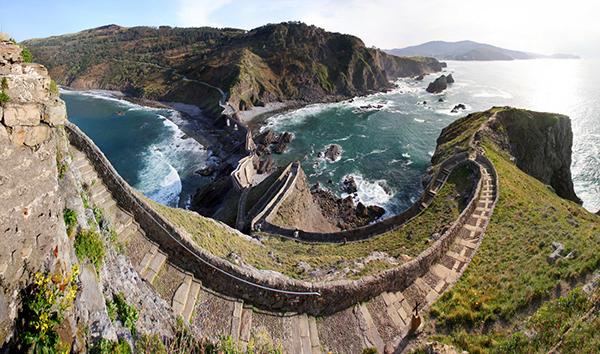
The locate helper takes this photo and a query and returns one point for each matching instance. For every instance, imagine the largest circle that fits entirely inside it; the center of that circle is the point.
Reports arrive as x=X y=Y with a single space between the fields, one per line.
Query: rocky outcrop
x=344 y=212
x=541 y=145
x=333 y=153
x=272 y=63
x=458 y=108
x=440 y=84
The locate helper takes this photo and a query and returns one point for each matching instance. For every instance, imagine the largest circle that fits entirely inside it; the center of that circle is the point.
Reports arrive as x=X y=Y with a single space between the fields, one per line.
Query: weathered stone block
x=55 y=112
x=22 y=114
x=10 y=53
x=30 y=87
x=17 y=135
x=37 y=135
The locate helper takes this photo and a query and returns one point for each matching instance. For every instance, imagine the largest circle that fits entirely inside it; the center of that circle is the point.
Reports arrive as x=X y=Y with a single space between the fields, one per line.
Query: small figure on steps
x=415 y=321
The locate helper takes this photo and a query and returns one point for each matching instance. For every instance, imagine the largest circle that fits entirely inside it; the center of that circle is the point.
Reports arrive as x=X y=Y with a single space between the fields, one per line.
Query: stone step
x=371 y=336
x=236 y=321
x=315 y=343
x=192 y=298
x=301 y=335
x=151 y=264
x=181 y=296
x=246 y=327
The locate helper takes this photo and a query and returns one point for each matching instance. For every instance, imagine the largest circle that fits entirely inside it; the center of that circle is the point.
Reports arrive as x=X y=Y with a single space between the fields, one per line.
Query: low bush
x=119 y=309
x=70 y=218
x=89 y=246
x=105 y=346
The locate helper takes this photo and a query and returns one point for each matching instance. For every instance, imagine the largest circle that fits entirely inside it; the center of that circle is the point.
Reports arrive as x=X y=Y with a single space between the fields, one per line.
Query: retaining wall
x=266 y=291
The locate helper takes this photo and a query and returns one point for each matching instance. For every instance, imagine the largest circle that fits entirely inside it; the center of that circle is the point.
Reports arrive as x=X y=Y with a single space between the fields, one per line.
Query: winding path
x=381 y=321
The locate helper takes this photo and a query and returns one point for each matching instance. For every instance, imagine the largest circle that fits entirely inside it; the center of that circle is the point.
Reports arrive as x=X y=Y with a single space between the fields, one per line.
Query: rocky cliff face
x=31 y=143
x=50 y=298
x=287 y=61
x=541 y=145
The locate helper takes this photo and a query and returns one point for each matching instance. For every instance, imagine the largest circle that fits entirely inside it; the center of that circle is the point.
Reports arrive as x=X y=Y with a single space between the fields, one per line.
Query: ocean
x=147 y=149
x=387 y=150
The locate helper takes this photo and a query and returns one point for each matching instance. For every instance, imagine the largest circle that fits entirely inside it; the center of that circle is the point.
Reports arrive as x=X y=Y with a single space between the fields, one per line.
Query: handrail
x=74 y=129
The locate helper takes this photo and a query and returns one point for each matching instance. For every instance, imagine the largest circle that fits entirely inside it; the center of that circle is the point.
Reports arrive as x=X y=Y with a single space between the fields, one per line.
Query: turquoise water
x=388 y=150
x=147 y=149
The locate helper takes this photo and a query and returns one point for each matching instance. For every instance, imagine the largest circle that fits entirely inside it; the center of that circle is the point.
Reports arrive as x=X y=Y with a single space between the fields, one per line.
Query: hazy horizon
x=534 y=26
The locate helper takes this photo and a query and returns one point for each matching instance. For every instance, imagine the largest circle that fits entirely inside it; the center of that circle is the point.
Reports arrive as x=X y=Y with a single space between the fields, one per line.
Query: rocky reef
x=272 y=63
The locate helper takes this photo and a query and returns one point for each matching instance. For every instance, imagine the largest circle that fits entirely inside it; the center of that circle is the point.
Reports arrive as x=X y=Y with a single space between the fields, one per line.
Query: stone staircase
x=382 y=322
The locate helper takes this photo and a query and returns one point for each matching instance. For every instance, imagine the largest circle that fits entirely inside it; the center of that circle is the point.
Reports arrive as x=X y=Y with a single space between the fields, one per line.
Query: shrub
x=44 y=303
x=105 y=346
x=3 y=98
x=26 y=54
x=70 y=217
x=4 y=84
x=89 y=245
x=53 y=87
x=119 y=309
x=98 y=214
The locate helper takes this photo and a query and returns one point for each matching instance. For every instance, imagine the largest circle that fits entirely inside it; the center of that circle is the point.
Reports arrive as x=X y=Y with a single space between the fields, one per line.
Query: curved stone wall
x=371 y=230
x=263 y=290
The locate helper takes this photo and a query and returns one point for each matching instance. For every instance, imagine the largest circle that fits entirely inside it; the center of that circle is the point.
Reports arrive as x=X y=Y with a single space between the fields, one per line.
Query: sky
x=543 y=26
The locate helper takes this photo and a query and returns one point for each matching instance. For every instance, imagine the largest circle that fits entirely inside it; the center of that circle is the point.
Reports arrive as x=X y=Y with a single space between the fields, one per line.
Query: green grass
x=283 y=255
x=89 y=246
x=510 y=275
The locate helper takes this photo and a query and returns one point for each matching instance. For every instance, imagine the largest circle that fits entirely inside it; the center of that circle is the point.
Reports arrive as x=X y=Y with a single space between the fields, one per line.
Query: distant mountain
x=469 y=50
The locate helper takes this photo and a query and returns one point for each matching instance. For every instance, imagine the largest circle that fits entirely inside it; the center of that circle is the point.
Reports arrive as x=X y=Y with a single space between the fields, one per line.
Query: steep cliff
x=276 y=62
x=59 y=265
x=539 y=143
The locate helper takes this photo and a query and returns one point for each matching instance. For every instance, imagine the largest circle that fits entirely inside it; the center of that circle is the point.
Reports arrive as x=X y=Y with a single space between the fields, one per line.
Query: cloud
x=199 y=12
x=544 y=26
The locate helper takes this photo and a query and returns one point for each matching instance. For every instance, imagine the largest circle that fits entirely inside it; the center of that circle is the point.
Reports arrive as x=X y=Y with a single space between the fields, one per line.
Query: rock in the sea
x=350 y=186
x=441 y=100
x=333 y=152
x=440 y=84
x=372 y=212
x=420 y=77
x=449 y=79
x=282 y=142
x=206 y=171
x=458 y=107
x=267 y=138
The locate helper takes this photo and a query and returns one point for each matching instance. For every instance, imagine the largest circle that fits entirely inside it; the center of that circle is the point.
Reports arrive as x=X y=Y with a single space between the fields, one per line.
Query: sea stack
x=440 y=84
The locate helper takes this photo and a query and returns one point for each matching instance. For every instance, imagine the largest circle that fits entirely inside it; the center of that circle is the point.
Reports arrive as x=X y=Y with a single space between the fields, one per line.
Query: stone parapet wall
x=371 y=230
x=264 y=290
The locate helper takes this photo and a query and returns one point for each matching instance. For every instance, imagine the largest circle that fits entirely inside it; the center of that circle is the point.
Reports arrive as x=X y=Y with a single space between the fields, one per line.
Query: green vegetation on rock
x=90 y=246
x=44 y=304
x=70 y=218
x=119 y=309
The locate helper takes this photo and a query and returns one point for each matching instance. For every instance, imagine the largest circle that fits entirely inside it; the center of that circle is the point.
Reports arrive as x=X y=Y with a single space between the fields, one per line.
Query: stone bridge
x=220 y=298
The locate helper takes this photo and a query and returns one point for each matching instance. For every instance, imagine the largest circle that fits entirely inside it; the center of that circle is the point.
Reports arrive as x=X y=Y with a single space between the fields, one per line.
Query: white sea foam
x=370 y=192
x=406 y=155
x=419 y=120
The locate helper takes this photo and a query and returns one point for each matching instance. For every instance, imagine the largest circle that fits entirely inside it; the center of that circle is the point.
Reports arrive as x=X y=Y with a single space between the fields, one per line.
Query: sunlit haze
x=535 y=25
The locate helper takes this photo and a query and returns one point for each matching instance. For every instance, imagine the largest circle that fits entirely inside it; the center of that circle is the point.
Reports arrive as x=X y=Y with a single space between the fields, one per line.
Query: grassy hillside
x=511 y=298
x=287 y=61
